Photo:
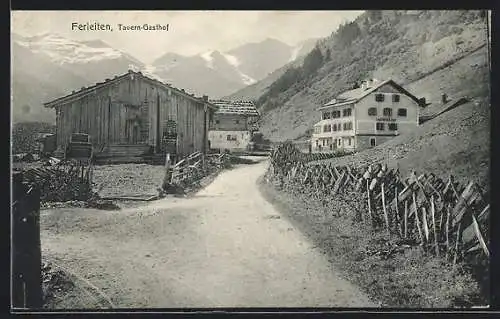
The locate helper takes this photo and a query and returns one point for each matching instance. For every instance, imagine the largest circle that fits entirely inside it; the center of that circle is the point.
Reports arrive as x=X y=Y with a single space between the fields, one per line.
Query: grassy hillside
x=256 y=90
x=456 y=142
x=404 y=46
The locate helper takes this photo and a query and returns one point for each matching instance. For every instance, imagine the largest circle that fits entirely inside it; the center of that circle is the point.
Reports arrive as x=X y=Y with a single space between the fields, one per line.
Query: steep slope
x=91 y=60
x=258 y=59
x=456 y=142
x=401 y=45
x=218 y=74
x=36 y=79
x=209 y=74
x=256 y=90
x=48 y=66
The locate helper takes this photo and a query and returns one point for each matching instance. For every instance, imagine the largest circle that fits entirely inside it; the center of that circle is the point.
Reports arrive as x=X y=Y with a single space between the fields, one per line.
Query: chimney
x=205 y=98
x=422 y=102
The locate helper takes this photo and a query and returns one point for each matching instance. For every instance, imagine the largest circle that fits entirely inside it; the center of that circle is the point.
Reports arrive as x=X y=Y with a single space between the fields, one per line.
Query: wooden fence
x=295 y=155
x=441 y=216
x=26 y=250
x=195 y=166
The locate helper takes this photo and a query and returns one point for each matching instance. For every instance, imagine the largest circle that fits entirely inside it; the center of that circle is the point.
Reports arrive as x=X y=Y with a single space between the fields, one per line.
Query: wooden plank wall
x=104 y=115
x=187 y=113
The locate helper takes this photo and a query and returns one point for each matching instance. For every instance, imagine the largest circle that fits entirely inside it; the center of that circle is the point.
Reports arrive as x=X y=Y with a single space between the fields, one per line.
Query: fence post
x=26 y=250
x=167 y=179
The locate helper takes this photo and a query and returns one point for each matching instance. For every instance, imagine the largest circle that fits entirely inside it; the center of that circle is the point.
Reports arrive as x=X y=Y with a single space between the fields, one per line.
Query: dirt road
x=224 y=247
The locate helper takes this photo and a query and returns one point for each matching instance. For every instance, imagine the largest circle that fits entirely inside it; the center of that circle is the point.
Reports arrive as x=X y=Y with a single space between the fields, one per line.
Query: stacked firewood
x=441 y=216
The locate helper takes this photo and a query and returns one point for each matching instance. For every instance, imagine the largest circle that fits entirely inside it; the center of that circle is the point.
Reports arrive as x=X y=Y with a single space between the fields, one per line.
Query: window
x=317 y=129
x=339 y=142
x=339 y=127
x=379 y=97
x=231 y=138
x=372 y=141
x=387 y=112
x=393 y=127
x=349 y=141
x=334 y=127
x=326 y=116
x=395 y=98
x=347 y=126
x=372 y=111
x=380 y=126
x=346 y=112
x=317 y=143
x=335 y=114
x=402 y=112
x=327 y=128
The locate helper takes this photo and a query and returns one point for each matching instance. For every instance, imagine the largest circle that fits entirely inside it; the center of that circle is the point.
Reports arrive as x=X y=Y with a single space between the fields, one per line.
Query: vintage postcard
x=250 y=159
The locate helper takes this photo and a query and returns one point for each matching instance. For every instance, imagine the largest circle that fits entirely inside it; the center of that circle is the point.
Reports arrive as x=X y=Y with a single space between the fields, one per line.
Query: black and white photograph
x=222 y=159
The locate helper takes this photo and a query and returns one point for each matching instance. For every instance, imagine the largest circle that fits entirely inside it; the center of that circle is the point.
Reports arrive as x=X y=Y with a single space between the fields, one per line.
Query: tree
x=312 y=62
x=375 y=15
x=328 y=55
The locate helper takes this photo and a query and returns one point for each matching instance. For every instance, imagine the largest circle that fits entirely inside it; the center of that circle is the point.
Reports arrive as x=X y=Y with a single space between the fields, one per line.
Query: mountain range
x=49 y=65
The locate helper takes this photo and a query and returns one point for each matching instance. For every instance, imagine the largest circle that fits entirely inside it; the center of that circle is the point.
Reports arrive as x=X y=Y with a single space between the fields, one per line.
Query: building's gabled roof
x=355 y=95
x=75 y=95
x=235 y=107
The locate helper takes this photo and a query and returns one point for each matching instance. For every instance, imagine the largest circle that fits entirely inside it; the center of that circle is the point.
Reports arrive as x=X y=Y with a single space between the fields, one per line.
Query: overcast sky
x=190 y=32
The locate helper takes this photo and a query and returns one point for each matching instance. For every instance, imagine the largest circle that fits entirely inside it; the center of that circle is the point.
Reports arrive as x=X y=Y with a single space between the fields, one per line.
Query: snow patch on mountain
x=207 y=56
x=66 y=51
x=231 y=59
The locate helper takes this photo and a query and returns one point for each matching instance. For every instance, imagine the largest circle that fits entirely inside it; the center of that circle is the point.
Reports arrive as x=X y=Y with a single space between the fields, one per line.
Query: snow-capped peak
x=66 y=51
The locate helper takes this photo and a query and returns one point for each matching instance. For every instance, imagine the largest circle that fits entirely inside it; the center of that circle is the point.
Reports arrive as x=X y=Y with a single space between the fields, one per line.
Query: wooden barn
x=132 y=116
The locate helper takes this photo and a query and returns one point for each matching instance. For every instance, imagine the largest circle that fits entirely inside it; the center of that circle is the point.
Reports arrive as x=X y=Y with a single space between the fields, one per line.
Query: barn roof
x=355 y=95
x=236 y=107
x=84 y=91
